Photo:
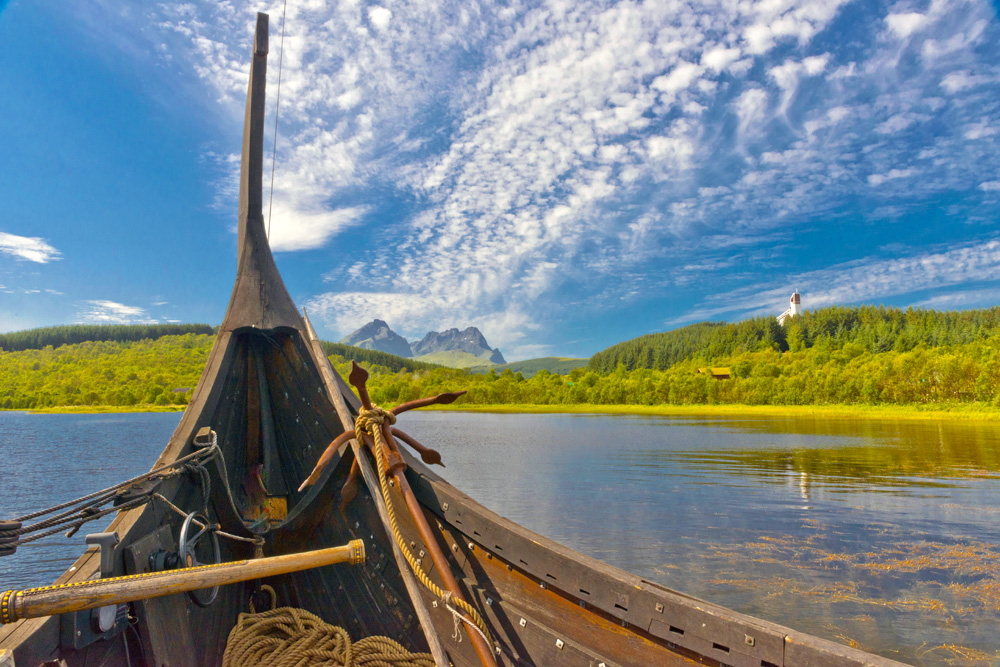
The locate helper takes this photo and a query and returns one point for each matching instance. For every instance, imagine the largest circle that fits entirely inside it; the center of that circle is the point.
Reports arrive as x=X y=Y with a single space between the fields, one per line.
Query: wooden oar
x=65 y=598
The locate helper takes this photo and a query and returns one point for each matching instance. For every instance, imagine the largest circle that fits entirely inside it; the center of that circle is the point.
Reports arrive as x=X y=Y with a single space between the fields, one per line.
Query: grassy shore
x=962 y=412
x=958 y=411
x=102 y=409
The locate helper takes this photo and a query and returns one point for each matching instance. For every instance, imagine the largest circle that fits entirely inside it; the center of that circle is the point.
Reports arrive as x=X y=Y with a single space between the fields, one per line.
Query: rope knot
x=369 y=420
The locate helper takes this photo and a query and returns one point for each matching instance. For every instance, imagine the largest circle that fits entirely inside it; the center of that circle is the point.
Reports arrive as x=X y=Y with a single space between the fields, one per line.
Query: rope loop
x=370 y=420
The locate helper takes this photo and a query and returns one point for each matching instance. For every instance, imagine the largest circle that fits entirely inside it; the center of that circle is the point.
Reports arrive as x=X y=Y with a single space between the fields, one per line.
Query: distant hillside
x=391 y=361
x=451 y=359
x=470 y=342
x=875 y=329
x=528 y=367
x=36 y=339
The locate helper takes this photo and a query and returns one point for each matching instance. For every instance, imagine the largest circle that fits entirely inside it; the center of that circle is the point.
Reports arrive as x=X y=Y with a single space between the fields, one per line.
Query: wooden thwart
x=65 y=598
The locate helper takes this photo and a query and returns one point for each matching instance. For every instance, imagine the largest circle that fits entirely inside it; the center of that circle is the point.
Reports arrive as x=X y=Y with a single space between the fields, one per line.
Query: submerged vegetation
x=835 y=356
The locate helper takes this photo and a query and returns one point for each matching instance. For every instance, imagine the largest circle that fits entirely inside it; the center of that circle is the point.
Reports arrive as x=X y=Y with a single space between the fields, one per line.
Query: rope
x=277 y=104
x=290 y=637
x=87 y=508
x=370 y=422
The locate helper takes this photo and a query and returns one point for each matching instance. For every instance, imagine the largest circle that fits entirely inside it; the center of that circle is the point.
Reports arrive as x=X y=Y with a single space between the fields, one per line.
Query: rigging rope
x=87 y=508
x=370 y=422
x=286 y=637
x=277 y=104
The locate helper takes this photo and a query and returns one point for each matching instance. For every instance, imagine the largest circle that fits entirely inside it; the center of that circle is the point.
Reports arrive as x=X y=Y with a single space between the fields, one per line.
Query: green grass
x=964 y=412
x=452 y=359
x=101 y=409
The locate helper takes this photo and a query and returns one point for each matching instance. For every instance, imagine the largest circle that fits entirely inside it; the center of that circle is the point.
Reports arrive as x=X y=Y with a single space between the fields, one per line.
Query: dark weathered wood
x=371 y=481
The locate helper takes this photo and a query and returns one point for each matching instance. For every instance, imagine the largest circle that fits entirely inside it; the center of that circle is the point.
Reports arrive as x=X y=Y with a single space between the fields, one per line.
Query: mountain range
x=458 y=349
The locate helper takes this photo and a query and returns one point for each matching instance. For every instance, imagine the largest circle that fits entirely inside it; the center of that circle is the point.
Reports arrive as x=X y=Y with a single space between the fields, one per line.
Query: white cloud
x=867 y=280
x=28 y=248
x=892 y=174
x=905 y=24
x=112 y=312
x=990 y=186
x=295 y=229
x=720 y=57
x=380 y=17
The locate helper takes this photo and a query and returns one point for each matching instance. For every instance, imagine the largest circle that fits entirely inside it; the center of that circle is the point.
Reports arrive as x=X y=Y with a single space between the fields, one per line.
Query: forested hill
x=70 y=334
x=875 y=329
x=376 y=357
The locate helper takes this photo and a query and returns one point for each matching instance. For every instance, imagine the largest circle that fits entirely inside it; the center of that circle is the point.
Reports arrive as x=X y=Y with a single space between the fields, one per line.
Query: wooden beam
x=65 y=598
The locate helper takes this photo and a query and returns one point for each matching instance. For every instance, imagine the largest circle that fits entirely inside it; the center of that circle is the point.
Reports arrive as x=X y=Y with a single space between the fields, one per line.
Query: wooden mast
x=259 y=298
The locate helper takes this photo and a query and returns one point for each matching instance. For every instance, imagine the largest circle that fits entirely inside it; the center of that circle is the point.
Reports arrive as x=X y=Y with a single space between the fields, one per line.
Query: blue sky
x=563 y=175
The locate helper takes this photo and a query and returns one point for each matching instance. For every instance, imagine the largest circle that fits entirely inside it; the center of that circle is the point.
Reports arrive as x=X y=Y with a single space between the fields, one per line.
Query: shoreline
x=963 y=412
x=958 y=412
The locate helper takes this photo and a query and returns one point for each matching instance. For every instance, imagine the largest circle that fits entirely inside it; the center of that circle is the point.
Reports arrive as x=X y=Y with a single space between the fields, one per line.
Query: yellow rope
x=370 y=422
x=290 y=637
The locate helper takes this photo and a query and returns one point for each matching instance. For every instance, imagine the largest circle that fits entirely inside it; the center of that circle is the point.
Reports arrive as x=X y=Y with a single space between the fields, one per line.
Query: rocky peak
x=376 y=335
x=470 y=340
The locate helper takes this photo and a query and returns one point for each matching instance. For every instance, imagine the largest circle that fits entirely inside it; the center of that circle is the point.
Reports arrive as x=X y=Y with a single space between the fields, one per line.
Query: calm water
x=883 y=535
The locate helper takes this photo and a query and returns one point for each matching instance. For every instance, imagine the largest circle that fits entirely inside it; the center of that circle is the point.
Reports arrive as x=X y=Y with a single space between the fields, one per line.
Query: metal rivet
x=434 y=604
x=583 y=604
x=357 y=524
x=498 y=651
x=445 y=507
x=454 y=548
x=749 y=640
x=489 y=601
x=472 y=546
x=542 y=584
x=559 y=643
x=659 y=607
x=421 y=553
x=523 y=623
x=601 y=665
x=624 y=624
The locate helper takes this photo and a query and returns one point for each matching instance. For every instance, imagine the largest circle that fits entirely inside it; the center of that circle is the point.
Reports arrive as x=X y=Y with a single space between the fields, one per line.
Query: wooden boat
x=270 y=402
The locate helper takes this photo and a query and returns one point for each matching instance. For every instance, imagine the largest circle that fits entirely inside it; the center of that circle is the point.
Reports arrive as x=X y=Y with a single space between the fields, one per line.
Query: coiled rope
x=370 y=422
x=290 y=637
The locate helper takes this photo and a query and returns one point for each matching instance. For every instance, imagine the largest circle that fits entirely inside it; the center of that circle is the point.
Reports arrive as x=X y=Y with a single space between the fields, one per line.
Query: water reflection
x=880 y=535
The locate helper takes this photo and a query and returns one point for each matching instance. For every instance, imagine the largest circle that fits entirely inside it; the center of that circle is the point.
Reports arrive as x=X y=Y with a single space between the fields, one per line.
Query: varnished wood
x=66 y=598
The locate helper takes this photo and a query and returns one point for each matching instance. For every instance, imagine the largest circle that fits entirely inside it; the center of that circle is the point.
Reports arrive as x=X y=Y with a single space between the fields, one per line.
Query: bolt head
x=523 y=623
x=559 y=643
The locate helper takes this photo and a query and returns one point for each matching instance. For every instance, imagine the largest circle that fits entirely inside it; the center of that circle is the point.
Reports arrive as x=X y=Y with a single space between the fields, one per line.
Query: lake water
x=882 y=535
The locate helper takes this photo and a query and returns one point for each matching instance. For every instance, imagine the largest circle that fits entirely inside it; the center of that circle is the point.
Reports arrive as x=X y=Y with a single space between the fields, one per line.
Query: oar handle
x=65 y=598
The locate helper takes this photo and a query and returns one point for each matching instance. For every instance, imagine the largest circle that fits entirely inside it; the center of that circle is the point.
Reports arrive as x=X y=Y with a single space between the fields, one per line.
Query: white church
x=794 y=308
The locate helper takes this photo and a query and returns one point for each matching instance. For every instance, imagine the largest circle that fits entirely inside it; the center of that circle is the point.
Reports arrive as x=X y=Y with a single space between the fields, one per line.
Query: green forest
x=831 y=356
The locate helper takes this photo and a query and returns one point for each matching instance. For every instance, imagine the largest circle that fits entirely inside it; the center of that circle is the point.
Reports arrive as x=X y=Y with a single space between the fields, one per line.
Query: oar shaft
x=64 y=598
